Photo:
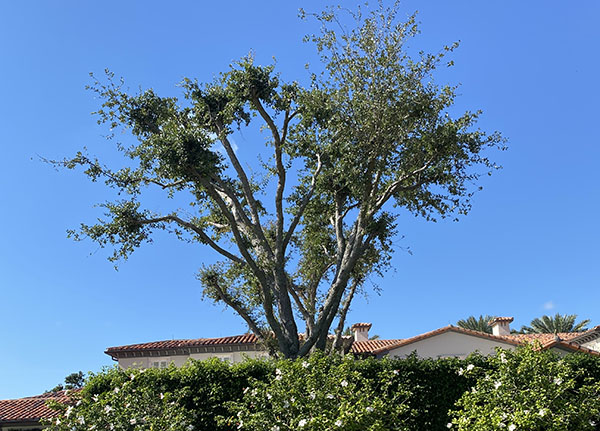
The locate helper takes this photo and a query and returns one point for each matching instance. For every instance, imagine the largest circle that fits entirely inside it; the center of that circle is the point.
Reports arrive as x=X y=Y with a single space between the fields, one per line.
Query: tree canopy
x=555 y=324
x=481 y=323
x=369 y=137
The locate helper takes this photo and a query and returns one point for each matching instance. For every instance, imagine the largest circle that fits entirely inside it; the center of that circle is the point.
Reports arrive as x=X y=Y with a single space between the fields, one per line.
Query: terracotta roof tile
x=361 y=325
x=501 y=319
x=369 y=346
x=30 y=409
x=407 y=341
x=175 y=344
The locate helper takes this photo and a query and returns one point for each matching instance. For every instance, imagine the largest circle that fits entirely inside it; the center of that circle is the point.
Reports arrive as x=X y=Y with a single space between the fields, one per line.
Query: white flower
x=592 y=423
x=269 y=396
x=278 y=377
x=95 y=398
x=162 y=396
x=557 y=380
x=132 y=421
x=246 y=390
x=190 y=427
x=497 y=385
x=116 y=390
x=132 y=376
x=329 y=396
x=292 y=399
x=344 y=383
x=512 y=427
x=305 y=364
x=470 y=367
x=81 y=420
x=338 y=423
x=57 y=421
x=503 y=358
x=241 y=424
x=69 y=410
x=370 y=409
x=107 y=408
x=396 y=372
x=449 y=425
x=542 y=412
x=312 y=395
x=275 y=428
x=78 y=403
x=302 y=422
x=473 y=390
x=277 y=371
x=461 y=371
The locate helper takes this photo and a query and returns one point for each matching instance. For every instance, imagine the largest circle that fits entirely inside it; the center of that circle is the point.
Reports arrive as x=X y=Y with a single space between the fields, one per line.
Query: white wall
x=449 y=345
x=180 y=360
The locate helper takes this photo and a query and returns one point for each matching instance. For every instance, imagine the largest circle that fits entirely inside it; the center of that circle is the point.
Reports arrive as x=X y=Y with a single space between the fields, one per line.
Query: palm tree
x=481 y=324
x=558 y=323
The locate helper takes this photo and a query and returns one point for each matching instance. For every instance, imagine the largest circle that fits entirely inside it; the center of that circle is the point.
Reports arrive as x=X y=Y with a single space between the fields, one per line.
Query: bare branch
x=303 y=205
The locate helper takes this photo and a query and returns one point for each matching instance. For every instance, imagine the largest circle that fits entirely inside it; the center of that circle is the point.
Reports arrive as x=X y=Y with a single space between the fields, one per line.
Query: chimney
x=361 y=331
x=501 y=325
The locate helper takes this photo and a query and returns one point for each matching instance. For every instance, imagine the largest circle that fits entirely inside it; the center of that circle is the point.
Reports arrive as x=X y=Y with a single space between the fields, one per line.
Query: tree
x=368 y=136
x=481 y=324
x=72 y=381
x=553 y=325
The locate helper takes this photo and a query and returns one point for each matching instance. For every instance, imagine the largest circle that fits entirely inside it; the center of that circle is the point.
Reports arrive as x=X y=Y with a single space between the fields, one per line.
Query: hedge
x=316 y=393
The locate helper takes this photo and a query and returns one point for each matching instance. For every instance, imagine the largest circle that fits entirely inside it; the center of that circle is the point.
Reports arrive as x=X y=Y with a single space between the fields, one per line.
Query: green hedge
x=316 y=393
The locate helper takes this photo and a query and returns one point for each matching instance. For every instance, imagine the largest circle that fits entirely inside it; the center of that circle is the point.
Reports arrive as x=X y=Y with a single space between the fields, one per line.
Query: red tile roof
x=30 y=409
x=502 y=339
x=501 y=319
x=369 y=346
x=361 y=325
x=175 y=344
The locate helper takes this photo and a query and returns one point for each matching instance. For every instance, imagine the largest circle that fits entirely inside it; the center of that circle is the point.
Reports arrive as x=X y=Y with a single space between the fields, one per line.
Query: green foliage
x=529 y=390
x=178 y=399
x=323 y=393
x=72 y=381
x=554 y=324
x=370 y=136
x=520 y=390
x=481 y=323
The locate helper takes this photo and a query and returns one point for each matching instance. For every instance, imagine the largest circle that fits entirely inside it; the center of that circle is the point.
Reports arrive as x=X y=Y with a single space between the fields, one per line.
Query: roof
x=361 y=326
x=176 y=344
x=450 y=328
x=374 y=347
x=565 y=341
x=369 y=346
x=30 y=409
x=501 y=320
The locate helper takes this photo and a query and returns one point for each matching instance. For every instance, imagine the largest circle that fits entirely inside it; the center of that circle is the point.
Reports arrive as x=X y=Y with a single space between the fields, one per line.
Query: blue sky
x=529 y=246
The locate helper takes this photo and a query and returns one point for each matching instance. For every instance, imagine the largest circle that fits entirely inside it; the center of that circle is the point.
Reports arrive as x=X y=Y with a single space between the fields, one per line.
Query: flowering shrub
x=323 y=393
x=128 y=406
x=178 y=399
x=528 y=390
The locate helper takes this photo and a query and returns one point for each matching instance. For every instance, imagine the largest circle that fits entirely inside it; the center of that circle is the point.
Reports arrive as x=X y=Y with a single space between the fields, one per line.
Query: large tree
x=555 y=324
x=369 y=137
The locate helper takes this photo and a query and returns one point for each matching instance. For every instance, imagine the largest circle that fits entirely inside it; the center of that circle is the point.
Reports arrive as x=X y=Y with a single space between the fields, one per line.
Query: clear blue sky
x=529 y=246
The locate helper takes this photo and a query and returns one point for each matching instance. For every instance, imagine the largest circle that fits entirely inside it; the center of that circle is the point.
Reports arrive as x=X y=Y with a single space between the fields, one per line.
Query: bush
x=322 y=393
x=529 y=390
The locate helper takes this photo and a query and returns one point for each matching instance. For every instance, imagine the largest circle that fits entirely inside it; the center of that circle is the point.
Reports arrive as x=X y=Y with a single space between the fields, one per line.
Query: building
x=450 y=341
x=24 y=414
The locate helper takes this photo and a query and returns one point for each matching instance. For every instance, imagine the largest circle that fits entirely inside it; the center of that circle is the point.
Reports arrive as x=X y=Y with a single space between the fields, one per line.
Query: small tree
x=72 y=381
x=370 y=135
x=481 y=323
x=554 y=324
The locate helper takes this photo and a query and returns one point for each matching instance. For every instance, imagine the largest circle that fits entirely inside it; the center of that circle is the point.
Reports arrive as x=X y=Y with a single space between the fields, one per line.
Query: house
x=159 y=354
x=450 y=341
x=24 y=414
